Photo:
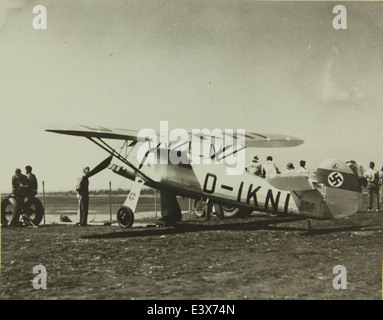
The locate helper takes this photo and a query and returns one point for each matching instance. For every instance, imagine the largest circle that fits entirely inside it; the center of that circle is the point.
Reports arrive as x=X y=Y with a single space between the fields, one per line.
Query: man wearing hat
x=255 y=167
x=83 y=197
x=302 y=167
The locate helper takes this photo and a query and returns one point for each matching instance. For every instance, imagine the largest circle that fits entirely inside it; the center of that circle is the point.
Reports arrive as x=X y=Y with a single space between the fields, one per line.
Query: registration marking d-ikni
x=246 y=195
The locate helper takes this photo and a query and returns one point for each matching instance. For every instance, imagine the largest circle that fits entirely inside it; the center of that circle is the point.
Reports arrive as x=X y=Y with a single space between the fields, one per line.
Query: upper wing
x=252 y=140
x=99 y=132
x=267 y=140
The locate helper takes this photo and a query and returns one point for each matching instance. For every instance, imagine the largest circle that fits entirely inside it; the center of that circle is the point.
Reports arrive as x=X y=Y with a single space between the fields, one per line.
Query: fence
x=106 y=203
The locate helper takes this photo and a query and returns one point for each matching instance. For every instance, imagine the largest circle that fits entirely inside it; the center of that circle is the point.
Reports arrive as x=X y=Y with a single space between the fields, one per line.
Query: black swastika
x=335 y=179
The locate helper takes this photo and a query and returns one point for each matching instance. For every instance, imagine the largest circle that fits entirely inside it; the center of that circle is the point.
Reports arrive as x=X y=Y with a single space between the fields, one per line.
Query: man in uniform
x=372 y=177
x=83 y=197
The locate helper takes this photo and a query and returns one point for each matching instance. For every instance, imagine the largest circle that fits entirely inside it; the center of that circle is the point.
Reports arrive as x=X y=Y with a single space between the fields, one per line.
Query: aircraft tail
x=340 y=189
x=334 y=192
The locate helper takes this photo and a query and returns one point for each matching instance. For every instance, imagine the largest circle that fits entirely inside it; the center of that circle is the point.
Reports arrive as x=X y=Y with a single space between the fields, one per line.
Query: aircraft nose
x=122 y=171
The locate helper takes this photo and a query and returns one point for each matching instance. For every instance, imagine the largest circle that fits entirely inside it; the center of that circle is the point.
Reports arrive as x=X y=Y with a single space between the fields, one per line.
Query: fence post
x=44 y=199
x=189 y=205
x=155 y=201
x=110 y=200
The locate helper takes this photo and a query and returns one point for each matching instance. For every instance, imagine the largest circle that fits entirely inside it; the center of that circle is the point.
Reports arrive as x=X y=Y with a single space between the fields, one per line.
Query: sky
x=267 y=67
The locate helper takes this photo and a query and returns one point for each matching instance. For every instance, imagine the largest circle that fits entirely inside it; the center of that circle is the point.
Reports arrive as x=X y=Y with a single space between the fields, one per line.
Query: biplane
x=332 y=192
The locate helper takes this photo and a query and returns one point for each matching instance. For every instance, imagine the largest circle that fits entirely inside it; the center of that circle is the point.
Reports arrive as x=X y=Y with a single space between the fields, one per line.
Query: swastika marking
x=335 y=179
x=132 y=196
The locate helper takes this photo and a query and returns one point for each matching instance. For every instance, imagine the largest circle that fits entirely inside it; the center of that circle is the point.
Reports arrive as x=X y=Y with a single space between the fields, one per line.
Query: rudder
x=341 y=189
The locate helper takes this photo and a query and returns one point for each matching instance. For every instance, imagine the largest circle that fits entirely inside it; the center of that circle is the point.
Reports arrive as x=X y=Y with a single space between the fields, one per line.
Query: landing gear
x=33 y=212
x=228 y=211
x=125 y=217
x=198 y=208
x=272 y=215
x=231 y=212
x=8 y=208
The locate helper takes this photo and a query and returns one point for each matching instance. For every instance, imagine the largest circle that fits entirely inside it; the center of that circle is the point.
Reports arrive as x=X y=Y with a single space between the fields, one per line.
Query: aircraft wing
x=252 y=139
x=266 y=140
x=99 y=132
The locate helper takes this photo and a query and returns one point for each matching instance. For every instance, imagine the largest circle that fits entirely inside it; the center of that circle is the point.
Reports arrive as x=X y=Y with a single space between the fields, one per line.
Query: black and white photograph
x=171 y=150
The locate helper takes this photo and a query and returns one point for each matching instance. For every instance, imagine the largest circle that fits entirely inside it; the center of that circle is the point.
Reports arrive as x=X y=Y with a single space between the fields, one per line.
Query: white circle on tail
x=335 y=179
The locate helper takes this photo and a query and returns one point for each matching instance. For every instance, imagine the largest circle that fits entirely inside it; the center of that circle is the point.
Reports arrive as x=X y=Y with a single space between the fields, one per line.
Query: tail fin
x=341 y=189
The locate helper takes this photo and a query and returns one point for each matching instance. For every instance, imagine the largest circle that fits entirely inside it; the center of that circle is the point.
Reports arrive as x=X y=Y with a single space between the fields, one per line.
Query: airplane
x=332 y=192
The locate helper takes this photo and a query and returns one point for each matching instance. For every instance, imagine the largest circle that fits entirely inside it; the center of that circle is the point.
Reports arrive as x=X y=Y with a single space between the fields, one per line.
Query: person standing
x=381 y=184
x=269 y=168
x=372 y=177
x=83 y=197
x=33 y=185
x=19 y=183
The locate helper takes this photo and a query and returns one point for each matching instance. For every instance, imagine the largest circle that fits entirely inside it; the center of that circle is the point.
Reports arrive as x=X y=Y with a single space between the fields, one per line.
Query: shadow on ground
x=268 y=225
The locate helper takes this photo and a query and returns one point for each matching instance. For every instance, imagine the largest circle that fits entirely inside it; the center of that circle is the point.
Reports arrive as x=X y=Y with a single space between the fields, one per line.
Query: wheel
x=125 y=217
x=245 y=212
x=7 y=209
x=272 y=215
x=34 y=210
x=198 y=208
x=231 y=212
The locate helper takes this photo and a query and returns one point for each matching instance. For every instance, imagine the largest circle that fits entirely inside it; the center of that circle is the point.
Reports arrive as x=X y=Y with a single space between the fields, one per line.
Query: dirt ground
x=253 y=258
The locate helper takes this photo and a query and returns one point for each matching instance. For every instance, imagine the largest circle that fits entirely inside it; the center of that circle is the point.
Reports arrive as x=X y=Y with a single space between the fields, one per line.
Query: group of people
x=269 y=167
x=26 y=186
x=23 y=186
x=374 y=178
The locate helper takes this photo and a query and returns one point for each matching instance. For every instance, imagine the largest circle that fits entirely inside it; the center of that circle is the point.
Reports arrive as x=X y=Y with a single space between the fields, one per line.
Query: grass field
x=251 y=258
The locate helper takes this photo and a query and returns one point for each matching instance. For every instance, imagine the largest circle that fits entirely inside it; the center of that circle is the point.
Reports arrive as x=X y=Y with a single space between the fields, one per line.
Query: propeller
x=101 y=166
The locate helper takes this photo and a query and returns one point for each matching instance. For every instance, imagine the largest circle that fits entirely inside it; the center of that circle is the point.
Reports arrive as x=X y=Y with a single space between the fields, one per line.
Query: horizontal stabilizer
x=291 y=182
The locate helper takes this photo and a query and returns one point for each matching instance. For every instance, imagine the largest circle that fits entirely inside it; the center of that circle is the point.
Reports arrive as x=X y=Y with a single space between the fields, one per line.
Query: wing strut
x=223 y=150
x=103 y=145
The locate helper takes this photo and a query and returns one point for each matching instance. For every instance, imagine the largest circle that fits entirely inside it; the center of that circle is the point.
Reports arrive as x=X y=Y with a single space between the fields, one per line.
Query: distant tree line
x=119 y=191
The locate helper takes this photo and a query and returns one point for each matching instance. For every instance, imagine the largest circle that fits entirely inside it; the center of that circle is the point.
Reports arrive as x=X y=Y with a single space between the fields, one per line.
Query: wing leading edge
x=252 y=140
